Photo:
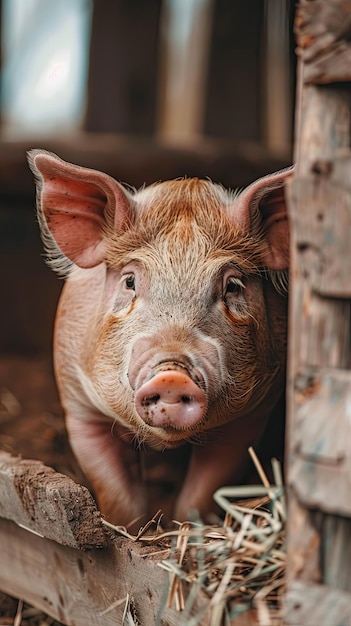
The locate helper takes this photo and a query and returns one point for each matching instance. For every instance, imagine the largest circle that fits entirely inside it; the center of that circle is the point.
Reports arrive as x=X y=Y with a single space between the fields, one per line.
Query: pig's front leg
x=112 y=466
x=222 y=461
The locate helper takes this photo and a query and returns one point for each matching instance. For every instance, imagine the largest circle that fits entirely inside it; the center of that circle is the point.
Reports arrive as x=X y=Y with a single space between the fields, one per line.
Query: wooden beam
x=49 y=504
x=84 y=588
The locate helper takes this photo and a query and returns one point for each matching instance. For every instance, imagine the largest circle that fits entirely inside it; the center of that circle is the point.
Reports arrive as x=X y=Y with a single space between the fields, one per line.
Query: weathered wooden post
x=319 y=397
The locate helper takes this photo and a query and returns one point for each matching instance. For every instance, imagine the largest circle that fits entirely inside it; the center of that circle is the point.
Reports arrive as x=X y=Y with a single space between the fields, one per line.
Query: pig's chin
x=167 y=438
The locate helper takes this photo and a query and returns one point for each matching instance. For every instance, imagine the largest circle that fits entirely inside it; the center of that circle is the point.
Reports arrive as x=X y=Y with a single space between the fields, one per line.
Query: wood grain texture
x=91 y=588
x=319 y=379
x=321 y=474
x=49 y=503
x=303 y=549
x=76 y=587
x=323 y=233
x=317 y=605
x=322 y=31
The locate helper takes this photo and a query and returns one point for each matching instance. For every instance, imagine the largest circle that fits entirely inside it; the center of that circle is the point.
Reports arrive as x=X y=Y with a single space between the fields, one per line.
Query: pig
x=171 y=329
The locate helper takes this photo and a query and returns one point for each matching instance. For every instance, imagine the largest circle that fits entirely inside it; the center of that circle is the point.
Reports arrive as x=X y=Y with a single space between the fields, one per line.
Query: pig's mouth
x=172 y=398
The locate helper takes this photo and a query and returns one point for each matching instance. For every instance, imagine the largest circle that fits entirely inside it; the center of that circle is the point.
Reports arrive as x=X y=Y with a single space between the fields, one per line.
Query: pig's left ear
x=261 y=207
x=76 y=206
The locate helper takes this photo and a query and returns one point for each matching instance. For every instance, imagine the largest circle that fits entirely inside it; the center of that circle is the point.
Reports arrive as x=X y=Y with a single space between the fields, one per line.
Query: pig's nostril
x=156 y=397
x=151 y=399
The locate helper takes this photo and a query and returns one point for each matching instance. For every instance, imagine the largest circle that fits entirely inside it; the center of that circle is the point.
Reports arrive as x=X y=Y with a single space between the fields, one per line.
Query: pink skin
x=171 y=398
x=180 y=341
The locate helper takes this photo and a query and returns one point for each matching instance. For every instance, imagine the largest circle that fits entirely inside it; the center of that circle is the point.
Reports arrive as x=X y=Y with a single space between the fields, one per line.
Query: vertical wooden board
x=319 y=425
x=322 y=234
x=323 y=427
x=320 y=471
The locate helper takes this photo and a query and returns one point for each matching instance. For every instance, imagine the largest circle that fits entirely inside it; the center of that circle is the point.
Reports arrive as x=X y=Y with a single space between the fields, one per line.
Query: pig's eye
x=234 y=285
x=130 y=281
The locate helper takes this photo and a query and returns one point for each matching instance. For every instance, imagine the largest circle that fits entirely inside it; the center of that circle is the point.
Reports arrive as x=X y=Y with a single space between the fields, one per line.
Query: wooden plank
x=77 y=588
x=336 y=549
x=325 y=331
x=323 y=232
x=323 y=486
x=317 y=605
x=92 y=588
x=323 y=428
x=321 y=472
x=333 y=67
x=323 y=31
x=49 y=503
x=316 y=538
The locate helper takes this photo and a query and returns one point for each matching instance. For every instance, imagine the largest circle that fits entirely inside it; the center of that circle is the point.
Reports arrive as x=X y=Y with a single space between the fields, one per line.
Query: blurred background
x=144 y=90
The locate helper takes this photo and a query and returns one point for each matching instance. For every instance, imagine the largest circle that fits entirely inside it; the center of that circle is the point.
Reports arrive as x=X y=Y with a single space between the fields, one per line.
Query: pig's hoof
x=171 y=398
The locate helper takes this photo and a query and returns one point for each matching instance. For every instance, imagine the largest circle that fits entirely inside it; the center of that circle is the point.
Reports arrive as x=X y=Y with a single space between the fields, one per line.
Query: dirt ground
x=31 y=420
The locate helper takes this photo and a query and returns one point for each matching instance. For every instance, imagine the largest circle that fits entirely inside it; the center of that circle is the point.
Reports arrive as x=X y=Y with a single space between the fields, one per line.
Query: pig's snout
x=171 y=398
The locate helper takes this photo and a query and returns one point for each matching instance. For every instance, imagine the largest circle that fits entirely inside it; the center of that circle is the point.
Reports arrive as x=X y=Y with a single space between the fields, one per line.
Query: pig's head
x=189 y=327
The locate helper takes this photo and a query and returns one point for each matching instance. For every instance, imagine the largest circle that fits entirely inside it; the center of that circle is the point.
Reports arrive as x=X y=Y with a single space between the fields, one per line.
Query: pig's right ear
x=76 y=206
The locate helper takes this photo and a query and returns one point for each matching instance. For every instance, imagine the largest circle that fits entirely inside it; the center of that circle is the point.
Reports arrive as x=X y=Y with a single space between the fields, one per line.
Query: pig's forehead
x=186 y=189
